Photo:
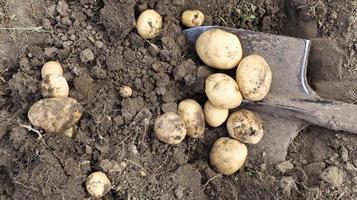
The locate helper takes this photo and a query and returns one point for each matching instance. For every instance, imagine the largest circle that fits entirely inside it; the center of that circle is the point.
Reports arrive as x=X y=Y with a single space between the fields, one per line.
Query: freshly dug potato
x=191 y=113
x=223 y=91
x=245 y=126
x=192 y=18
x=54 y=85
x=219 y=49
x=214 y=116
x=254 y=77
x=227 y=155
x=51 y=67
x=149 y=24
x=170 y=128
x=55 y=115
x=125 y=91
x=98 y=184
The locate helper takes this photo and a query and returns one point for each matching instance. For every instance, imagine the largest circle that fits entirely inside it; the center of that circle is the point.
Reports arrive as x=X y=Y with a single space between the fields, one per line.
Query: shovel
x=291 y=104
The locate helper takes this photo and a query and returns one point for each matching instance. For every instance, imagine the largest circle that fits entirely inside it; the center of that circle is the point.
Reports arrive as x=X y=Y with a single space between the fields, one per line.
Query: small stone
x=86 y=56
x=88 y=149
x=67 y=44
x=334 y=15
x=179 y=192
x=263 y=167
x=288 y=185
x=62 y=8
x=125 y=91
x=99 y=44
x=66 y=21
x=333 y=175
x=344 y=154
x=314 y=169
x=51 y=52
x=350 y=167
x=284 y=166
x=142 y=173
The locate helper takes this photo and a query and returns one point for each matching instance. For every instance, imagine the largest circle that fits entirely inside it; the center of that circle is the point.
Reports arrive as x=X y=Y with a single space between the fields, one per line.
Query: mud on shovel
x=291 y=104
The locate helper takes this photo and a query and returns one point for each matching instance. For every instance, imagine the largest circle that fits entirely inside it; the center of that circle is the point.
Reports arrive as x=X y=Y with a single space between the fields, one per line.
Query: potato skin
x=245 y=126
x=254 y=77
x=192 y=18
x=54 y=85
x=219 y=49
x=170 y=128
x=227 y=155
x=215 y=116
x=222 y=91
x=98 y=184
x=51 y=67
x=149 y=24
x=191 y=113
x=55 y=115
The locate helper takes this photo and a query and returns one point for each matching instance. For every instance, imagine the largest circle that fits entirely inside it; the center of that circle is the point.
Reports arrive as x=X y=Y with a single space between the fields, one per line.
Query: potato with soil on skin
x=254 y=77
x=55 y=115
x=98 y=184
x=219 y=49
x=223 y=91
x=192 y=18
x=245 y=126
x=227 y=155
x=51 y=67
x=170 y=128
x=191 y=113
x=215 y=116
x=149 y=24
x=54 y=85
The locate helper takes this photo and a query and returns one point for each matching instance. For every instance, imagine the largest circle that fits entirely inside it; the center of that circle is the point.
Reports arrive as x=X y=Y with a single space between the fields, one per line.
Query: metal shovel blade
x=291 y=104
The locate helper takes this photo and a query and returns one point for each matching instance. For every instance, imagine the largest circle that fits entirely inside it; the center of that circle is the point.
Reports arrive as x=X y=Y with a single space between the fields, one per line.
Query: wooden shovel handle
x=329 y=114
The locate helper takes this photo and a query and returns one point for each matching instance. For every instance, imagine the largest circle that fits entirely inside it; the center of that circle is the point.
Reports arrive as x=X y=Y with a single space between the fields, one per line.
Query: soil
x=96 y=42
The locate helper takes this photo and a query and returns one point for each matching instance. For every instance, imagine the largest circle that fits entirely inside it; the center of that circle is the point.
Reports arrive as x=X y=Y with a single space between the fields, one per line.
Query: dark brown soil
x=97 y=44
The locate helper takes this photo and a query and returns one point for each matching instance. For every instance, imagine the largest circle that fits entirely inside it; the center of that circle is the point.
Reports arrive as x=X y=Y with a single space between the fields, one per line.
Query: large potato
x=191 y=113
x=245 y=126
x=98 y=184
x=219 y=49
x=55 y=115
x=228 y=155
x=192 y=18
x=149 y=24
x=54 y=85
x=223 y=91
x=51 y=67
x=254 y=77
x=170 y=128
x=214 y=116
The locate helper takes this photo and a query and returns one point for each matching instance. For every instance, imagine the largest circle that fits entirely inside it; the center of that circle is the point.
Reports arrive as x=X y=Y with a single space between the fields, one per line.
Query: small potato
x=55 y=115
x=214 y=116
x=219 y=49
x=125 y=91
x=191 y=113
x=227 y=155
x=54 y=85
x=98 y=184
x=51 y=67
x=192 y=18
x=254 y=77
x=170 y=128
x=222 y=91
x=149 y=24
x=245 y=126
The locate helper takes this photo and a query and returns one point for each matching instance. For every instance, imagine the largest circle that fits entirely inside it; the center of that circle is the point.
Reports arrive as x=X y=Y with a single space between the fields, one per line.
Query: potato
x=219 y=49
x=191 y=113
x=125 y=91
x=51 y=67
x=149 y=24
x=170 y=128
x=98 y=184
x=54 y=85
x=222 y=91
x=214 y=116
x=192 y=18
x=55 y=115
x=227 y=155
x=245 y=126
x=254 y=77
